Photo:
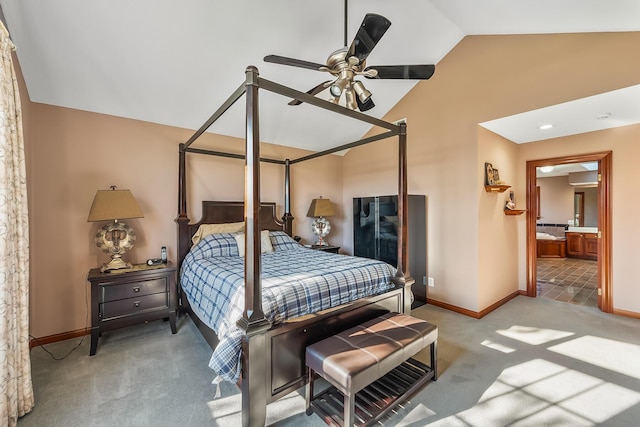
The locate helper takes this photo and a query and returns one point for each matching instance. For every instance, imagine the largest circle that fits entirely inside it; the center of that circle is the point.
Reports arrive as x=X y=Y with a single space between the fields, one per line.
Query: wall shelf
x=496 y=188
x=514 y=211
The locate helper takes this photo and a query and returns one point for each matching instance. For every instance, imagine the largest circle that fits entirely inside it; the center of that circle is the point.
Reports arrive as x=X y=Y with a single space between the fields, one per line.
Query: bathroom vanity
x=582 y=242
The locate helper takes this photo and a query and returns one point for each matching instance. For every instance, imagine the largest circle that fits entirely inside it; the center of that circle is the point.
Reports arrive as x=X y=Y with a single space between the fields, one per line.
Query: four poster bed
x=272 y=342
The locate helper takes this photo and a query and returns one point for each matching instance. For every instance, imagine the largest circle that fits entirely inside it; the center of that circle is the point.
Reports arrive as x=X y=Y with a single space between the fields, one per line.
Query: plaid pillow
x=281 y=241
x=218 y=244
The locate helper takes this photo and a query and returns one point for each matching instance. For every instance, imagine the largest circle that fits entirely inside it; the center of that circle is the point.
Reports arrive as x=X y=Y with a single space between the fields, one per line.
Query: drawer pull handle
x=136 y=304
x=136 y=289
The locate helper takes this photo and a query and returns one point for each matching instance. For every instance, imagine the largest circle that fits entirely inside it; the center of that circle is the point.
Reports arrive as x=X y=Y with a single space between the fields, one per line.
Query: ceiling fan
x=348 y=62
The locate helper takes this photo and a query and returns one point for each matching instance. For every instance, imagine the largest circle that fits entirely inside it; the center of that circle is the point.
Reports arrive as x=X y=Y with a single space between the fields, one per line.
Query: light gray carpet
x=532 y=362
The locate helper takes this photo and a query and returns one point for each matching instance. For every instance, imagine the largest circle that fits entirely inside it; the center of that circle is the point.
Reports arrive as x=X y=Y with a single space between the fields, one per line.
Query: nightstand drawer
x=131 y=306
x=133 y=289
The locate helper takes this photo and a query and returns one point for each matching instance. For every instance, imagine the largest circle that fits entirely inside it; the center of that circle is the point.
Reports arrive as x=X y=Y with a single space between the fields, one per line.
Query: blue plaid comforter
x=295 y=281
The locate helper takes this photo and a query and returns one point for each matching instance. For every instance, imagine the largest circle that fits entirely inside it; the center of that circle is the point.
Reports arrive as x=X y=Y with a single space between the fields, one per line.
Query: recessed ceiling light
x=546 y=169
x=545 y=126
x=603 y=116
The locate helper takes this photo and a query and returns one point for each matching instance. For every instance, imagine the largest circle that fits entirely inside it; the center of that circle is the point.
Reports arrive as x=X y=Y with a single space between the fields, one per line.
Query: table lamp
x=319 y=209
x=116 y=237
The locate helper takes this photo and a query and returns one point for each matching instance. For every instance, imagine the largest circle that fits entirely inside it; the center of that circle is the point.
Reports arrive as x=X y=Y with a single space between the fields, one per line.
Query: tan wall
x=74 y=153
x=498 y=234
x=556 y=200
x=484 y=78
x=590 y=206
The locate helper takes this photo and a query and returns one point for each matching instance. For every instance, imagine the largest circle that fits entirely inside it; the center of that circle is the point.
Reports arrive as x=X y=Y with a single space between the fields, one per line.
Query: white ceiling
x=175 y=63
x=603 y=111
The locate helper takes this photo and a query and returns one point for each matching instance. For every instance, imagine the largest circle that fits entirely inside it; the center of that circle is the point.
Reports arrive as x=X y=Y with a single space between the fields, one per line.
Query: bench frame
x=375 y=400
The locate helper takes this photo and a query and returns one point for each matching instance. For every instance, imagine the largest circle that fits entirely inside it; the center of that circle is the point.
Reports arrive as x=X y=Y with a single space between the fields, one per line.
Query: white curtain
x=16 y=392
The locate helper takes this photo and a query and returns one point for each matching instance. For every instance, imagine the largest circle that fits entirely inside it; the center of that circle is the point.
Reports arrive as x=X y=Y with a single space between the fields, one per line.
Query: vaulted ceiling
x=175 y=62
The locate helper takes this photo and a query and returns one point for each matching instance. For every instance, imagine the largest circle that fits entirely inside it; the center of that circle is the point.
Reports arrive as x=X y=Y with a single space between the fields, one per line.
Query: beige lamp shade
x=114 y=204
x=321 y=208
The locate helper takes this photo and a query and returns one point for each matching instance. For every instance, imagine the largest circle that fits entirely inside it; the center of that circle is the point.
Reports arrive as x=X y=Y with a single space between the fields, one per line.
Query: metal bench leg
x=434 y=359
x=349 y=410
x=309 y=390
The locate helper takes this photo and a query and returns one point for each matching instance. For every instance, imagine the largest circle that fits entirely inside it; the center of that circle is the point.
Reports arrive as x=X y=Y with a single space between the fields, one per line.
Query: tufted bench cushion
x=355 y=358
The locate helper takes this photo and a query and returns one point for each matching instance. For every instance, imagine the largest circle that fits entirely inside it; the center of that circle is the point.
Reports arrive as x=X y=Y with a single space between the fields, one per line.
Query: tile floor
x=568 y=279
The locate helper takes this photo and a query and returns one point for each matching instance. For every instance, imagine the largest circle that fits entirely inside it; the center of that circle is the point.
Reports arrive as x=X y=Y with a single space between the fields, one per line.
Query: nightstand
x=333 y=249
x=126 y=297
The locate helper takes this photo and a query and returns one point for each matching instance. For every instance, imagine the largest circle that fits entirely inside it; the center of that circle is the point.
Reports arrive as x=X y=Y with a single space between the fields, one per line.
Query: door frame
x=605 y=296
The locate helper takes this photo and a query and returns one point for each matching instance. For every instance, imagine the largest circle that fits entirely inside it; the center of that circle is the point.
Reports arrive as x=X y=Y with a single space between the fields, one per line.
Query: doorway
x=604 y=223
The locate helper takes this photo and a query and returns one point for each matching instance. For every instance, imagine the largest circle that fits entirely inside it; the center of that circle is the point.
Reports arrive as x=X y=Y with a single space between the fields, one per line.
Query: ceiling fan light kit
x=351 y=100
x=361 y=91
x=348 y=62
x=338 y=86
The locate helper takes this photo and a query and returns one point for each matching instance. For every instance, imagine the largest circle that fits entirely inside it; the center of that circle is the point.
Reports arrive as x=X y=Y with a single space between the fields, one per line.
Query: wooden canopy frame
x=255 y=390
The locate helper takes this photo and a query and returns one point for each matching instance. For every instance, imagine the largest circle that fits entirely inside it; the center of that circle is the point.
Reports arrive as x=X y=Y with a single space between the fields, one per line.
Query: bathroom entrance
x=596 y=239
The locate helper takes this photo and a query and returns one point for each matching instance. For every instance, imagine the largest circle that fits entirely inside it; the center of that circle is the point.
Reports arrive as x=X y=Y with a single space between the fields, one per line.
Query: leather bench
x=356 y=358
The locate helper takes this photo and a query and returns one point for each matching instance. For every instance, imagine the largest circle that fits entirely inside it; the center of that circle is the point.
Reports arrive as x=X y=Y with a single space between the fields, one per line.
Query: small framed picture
x=489 y=174
x=511 y=201
x=496 y=176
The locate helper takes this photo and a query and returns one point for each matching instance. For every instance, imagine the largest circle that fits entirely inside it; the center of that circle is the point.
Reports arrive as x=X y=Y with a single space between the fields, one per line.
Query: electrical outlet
x=432 y=282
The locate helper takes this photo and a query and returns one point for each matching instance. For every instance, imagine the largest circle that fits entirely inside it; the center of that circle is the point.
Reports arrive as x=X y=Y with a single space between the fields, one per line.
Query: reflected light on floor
x=224 y=407
x=418 y=415
x=532 y=335
x=540 y=392
x=228 y=410
x=616 y=356
x=497 y=346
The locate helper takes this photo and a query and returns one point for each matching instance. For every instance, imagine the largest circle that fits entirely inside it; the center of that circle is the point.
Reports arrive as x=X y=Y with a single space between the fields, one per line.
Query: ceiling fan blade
x=365 y=106
x=314 y=91
x=283 y=60
x=369 y=34
x=411 y=72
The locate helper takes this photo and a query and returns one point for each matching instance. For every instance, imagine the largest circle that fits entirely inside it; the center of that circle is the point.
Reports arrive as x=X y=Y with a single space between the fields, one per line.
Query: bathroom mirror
x=578 y=208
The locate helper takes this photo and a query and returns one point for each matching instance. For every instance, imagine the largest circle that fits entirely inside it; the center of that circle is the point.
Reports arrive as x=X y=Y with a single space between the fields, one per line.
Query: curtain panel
x=16 y=392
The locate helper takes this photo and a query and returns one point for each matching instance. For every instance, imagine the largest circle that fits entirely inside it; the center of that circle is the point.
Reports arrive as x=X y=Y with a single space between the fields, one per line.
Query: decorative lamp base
x=115 y=238
x=116 y=263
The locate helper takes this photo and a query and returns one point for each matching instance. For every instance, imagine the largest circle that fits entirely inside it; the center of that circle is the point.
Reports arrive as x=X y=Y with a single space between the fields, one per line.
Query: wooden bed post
x=287 y=217
x=403 y=277
x=182 y=219
x=253 y=322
